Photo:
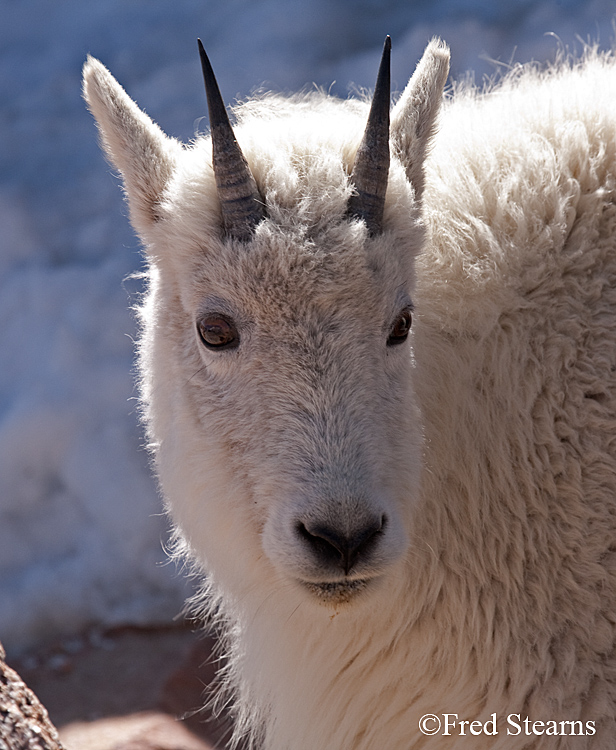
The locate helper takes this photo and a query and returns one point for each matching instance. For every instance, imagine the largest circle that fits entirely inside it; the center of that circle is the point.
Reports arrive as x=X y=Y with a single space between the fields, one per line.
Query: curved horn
x=371 y=166
x=241 y=205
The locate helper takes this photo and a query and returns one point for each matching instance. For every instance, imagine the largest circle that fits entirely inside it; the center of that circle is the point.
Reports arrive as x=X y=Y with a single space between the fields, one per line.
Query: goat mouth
x=337 y=592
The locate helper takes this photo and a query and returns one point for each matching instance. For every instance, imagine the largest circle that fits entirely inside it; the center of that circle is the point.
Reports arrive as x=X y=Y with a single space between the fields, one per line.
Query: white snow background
x=81 y=529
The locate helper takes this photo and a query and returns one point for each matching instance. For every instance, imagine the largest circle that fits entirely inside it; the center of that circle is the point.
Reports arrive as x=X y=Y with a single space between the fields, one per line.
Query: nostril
x=325 y=544
x=365 y=540
x=333 y=547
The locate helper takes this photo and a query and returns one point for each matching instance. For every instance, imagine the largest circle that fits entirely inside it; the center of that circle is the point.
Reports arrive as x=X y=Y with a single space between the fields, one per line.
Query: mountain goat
x=408 y=536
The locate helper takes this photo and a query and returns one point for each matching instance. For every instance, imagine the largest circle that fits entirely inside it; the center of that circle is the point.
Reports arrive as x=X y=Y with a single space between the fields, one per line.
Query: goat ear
x=134 y=144
x=413 y=120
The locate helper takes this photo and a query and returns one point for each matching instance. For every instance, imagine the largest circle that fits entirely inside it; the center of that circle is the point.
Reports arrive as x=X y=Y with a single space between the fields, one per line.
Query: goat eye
x=401 y=328
x=217 y=332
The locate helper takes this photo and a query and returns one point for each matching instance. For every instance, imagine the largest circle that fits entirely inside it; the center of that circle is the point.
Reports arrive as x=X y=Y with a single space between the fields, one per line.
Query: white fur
x=494 y=586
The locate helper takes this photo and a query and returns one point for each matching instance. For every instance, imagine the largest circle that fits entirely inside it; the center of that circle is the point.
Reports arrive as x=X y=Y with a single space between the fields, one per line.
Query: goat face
x=292 y=355
x=317 y=399
x=276 y=357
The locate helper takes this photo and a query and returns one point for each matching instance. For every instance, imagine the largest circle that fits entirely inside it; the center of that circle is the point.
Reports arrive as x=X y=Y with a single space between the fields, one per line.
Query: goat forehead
x=281 y=274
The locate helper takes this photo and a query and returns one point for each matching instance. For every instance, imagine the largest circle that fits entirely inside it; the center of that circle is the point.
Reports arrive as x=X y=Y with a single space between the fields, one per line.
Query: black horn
x=241 y=205
x=371 y=168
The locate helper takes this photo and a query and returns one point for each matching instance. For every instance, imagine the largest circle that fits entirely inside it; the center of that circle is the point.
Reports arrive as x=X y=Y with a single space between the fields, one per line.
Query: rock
x=24 y=722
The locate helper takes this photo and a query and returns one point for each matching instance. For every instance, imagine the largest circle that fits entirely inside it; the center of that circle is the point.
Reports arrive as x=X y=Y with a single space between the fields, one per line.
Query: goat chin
x=390 y=521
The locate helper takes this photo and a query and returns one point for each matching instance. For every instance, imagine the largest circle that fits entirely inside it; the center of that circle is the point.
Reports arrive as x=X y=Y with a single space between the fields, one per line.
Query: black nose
x=335 y=548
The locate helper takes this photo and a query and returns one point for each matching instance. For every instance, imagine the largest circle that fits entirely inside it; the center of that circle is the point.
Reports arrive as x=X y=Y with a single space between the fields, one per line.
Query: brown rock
x=24 y=723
